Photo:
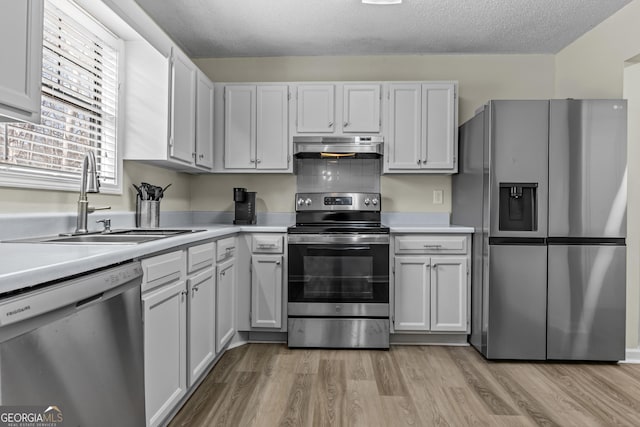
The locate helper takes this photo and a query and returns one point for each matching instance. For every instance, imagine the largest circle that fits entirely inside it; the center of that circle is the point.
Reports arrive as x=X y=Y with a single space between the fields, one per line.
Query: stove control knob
x=307 y=202
x=367 y=201
x=300 y=201
x=374 y=201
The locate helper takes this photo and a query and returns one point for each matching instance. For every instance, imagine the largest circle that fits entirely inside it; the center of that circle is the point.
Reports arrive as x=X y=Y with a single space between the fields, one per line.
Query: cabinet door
x=361 y=108
x=202 y=334
x=448 y=294
x=272 y=141
x=240 y=127
x=412 y=294
x=165 y=345
x=405 y=123
x=21 y=71
x=439 y=125
x=226 y=303
x=204 y=122
x=316 y=108
x=183 y=108
x=266 y=291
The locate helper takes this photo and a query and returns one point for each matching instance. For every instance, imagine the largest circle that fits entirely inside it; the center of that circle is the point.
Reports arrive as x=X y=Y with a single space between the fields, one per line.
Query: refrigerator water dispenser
x=518 y=207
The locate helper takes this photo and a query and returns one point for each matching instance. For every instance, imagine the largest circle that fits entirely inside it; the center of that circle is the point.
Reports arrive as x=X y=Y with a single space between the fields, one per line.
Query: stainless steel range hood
x=351 y=147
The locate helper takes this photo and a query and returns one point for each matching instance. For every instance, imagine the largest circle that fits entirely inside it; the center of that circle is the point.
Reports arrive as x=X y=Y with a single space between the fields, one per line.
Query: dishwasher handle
x=77 y=292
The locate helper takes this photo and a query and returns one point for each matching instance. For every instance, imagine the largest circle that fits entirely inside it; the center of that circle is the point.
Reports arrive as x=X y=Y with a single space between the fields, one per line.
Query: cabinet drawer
x=226 y=248
x=267 y=243
x=436 y=244
x=200 y=256
x=163 y=269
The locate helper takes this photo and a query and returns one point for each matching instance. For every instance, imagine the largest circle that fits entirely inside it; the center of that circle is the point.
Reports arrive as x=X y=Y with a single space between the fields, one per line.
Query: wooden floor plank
x=483 y=385
x=364 y=407
x=387 y=374
x=268 y=385
x=330 y=385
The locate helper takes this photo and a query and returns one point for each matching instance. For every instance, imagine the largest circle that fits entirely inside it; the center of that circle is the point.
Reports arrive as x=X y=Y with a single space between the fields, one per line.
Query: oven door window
x=338 y=274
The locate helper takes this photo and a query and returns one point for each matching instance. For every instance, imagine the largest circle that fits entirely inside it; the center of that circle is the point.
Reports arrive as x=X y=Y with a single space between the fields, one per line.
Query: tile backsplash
x=338 y=175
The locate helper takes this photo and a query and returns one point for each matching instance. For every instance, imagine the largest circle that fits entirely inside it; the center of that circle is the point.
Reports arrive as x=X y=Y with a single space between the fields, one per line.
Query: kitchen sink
x=115 y=237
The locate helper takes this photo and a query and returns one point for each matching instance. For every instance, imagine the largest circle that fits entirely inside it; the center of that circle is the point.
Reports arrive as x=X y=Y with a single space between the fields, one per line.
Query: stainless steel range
x=338 y=282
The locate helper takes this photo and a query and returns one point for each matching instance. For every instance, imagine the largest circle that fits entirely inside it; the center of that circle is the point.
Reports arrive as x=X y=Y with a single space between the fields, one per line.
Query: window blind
x=79 y=104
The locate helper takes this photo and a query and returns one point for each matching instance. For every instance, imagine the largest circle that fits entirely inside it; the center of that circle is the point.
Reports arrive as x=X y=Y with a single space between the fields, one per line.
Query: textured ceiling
x=246 y=28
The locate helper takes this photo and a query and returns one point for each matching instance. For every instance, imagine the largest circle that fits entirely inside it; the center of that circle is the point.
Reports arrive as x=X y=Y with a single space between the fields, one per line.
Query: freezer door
x=587 y=168
x=587 y=286
x=517 y=306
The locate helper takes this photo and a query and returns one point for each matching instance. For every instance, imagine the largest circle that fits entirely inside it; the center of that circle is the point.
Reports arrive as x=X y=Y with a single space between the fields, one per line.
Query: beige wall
x=480 y=77
x=594 y=67
x=38 y=201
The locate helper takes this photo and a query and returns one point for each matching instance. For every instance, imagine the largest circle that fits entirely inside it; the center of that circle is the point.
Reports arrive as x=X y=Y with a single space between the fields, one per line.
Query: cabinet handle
x=346 y=124
x=419 y=161
x=258 y=161
x=435 y=265
x=193 y=155
x=424 y=161
x=277 y=262
x=201 y=156
x=330 y=124
x=183 y=293
x=194 y=289
x=222 y=273
x=433 y=246
x=428 y=265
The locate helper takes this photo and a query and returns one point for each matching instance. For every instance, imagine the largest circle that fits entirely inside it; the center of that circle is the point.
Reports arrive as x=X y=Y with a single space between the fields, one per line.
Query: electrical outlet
x=438 y=197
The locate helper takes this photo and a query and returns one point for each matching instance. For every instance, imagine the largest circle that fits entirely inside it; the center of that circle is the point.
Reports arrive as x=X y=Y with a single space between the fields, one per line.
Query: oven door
x=338 y=275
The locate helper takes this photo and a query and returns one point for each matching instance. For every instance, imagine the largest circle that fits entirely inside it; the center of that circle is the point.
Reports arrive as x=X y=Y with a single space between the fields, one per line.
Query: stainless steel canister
x=147 y=213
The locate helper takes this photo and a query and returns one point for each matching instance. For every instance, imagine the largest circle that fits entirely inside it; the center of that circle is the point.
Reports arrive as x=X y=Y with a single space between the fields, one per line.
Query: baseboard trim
x=632 y=356
x=429 y=339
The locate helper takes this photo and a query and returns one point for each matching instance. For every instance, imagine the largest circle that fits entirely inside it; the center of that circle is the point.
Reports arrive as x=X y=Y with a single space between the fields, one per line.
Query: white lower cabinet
x=266 y=291
x=202 y=318
x=449 y=293
x=431 y=291
x=165 y=348
x=225 y=303
x=412 y=296
x=179 y=316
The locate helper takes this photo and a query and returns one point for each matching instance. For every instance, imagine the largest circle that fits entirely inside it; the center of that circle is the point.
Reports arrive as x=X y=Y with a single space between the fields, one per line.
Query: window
x=79 y=107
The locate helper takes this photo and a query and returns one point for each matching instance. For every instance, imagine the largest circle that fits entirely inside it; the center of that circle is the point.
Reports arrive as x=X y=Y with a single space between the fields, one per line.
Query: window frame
x=18 y=176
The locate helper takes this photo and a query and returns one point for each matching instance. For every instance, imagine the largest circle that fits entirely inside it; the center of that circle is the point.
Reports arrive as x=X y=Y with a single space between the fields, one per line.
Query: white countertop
x=29 y=264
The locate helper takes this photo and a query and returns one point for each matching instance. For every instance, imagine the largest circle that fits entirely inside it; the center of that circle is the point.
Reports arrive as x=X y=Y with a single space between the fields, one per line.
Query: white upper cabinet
x=183 y=108
x=256 y=119
x=404 y=145
x=161 y=108
x=204 y=121
x=272 y=110
x=361 y=108
x=239 y=127
x=423 y=132
x=21 y=23
x=315 y=108
x=357 y=110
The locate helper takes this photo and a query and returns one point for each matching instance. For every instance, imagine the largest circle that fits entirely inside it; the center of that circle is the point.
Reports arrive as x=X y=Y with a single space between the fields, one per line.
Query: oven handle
x=340 y=248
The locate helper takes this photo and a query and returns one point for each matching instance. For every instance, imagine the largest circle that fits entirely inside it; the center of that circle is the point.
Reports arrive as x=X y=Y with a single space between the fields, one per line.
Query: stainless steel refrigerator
x=544 y=184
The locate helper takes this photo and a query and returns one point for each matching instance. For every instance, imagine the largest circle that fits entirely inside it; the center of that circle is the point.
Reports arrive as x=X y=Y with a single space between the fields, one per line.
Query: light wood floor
x=271 y=385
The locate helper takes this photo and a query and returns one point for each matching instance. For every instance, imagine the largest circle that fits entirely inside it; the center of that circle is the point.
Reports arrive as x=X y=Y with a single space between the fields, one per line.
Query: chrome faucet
x=89 y=183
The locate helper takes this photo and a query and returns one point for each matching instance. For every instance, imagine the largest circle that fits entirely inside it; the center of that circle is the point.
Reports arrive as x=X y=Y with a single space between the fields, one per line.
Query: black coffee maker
x=245 y=206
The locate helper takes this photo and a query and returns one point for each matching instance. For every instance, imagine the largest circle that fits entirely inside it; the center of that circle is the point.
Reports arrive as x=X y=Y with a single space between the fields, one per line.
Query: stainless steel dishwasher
x=77 y=345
